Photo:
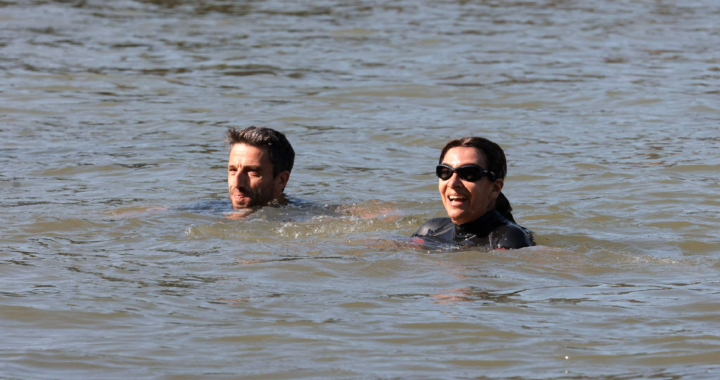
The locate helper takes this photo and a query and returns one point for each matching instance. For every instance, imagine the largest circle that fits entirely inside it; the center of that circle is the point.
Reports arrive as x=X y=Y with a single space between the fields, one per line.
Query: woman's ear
x=497 y=187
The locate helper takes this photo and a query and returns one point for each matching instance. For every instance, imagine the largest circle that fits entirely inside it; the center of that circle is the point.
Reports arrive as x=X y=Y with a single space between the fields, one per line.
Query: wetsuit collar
x=482 y=226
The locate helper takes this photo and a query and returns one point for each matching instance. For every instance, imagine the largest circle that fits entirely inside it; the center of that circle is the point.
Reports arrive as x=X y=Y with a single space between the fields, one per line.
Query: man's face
x=466 y=201
x=250 y=177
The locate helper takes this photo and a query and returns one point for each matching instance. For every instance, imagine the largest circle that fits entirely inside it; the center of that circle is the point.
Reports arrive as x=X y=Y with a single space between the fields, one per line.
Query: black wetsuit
x=491 y=229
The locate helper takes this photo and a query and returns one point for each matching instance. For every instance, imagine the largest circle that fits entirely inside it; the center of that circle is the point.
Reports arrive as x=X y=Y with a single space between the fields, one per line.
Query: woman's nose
x=454 y=181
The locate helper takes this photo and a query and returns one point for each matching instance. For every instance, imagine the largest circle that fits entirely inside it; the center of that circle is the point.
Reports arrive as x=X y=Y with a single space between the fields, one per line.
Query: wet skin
x=466 y=201
x=250 y=177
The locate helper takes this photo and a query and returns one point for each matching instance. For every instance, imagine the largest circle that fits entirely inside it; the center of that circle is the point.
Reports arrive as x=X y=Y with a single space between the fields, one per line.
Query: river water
x=117 y=259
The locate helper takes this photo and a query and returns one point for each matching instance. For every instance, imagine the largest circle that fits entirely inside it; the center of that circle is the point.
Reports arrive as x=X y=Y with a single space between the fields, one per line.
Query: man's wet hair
x=280 y=152
x=495 y=160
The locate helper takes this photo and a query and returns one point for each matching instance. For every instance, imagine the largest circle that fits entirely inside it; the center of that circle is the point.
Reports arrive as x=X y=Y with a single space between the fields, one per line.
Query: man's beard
x=259 y=198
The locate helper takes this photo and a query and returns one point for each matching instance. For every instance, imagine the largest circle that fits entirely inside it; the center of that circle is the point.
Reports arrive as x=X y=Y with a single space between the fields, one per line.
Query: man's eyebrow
x=255 y=168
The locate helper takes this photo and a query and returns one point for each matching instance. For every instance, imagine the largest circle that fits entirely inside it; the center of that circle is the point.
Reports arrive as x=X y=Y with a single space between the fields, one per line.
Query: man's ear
x=280 y=182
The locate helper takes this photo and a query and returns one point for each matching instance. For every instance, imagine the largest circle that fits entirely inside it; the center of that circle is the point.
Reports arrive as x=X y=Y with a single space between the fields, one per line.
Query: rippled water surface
x=118 y=260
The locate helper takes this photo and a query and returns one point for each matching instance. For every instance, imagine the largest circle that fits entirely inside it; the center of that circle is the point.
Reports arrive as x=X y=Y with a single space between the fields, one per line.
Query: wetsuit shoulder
x=511 y=236
x=433 y=227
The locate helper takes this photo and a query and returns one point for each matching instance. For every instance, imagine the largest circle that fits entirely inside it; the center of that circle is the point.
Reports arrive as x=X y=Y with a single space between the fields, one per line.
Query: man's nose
x=239 y=179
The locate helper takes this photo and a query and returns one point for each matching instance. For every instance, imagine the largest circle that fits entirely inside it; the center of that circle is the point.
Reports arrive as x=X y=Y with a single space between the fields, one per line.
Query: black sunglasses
x=469 y=173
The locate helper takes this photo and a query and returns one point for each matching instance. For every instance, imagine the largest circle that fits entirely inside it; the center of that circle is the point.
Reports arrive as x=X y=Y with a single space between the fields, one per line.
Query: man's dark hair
x=280 y=152
x=495 y=160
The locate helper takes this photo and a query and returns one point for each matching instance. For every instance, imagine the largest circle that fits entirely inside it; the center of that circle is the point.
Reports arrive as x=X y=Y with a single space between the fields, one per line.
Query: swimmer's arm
x=135 y=211
x=373 y=210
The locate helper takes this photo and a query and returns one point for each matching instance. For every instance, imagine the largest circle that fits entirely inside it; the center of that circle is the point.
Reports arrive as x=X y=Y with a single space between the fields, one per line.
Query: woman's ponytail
x=502 y=205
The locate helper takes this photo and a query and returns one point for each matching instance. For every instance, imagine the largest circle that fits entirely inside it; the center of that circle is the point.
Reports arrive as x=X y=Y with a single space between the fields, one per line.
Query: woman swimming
x=471 y=174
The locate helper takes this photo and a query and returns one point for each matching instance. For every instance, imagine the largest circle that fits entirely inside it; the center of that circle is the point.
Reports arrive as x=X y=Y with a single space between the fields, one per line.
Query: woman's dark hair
x=495 y=159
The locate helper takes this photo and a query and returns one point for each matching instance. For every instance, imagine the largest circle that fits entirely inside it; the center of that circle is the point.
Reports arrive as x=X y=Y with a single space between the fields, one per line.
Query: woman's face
x=466 y=201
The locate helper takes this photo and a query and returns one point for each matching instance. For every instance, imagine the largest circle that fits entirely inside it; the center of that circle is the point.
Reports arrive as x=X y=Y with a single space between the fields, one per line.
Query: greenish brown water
x=117 y=259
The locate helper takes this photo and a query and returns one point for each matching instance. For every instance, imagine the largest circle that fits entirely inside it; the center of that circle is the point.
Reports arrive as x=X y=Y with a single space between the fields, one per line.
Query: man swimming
x=471 y=174
x=259 y=167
